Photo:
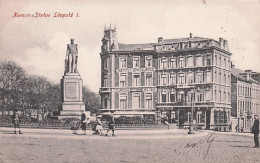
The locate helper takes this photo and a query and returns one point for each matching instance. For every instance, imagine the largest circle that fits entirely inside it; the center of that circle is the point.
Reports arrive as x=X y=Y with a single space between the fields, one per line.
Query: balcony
x=185 y=86
x=184 y=104
x=104 y=90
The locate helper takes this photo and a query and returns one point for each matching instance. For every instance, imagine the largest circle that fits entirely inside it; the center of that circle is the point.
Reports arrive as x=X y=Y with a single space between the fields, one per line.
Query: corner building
x=245 y=97
x=186 y=79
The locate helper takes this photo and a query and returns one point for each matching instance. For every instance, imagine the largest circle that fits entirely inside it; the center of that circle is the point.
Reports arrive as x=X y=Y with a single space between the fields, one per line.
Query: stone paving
x=128 y=146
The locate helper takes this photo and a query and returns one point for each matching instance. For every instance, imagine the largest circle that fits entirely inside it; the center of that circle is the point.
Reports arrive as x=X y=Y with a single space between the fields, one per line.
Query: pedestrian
x=83 y=122
x=255 y=130
x=99 y=127
x=242 y=129
x=111 y=126
x=16 y=121
x=237 y=128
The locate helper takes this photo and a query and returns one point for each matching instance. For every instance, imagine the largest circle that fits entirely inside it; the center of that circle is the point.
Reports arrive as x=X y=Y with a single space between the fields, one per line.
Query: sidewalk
x=120 y=134
x=233 y=133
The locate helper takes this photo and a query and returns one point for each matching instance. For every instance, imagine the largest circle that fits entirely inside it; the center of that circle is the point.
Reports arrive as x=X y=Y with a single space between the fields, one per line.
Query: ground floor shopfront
x=214 y=118
x=204 y=118
x=245 y=123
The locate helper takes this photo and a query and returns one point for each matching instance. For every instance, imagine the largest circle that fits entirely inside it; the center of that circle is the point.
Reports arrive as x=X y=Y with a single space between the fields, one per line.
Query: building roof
x=132 y=47
x=236 y=71
x=150 y=46
x=194 y=39
x=240 y=74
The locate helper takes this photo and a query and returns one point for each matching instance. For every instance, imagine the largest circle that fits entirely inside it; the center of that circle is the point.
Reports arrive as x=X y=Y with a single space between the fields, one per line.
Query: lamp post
x=191 y=128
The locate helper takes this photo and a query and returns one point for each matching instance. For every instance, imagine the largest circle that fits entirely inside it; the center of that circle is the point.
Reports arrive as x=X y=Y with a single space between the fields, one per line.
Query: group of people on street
x=98 y=126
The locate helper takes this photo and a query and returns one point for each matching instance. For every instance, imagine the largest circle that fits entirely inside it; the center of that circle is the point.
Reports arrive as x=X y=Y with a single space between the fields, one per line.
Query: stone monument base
x=71 y=110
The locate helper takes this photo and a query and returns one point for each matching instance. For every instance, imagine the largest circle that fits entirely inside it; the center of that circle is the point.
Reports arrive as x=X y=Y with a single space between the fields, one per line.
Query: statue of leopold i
x=71 y=57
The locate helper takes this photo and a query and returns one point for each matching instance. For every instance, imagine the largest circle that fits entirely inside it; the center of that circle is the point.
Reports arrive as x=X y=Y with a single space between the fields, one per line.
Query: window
x=105 y=81
x=163 y=95
x=215 y=95
x=148 y=100
x=136 y=80
x=208 y=95
x=199 y=77
x=172 y=79
x=189 y=117
x=190 y=62
x=148 y=61
x=136 y=62
x=172 y=96
x=181 y=62
x=122 y=63
x=208 y=77
x=220 y=99
x=190 y=78
x=199 y=61
x=199 y=96
x=216 y=60
x=149 y=79
x=122 y=99
x=105 y=63
x=208 y=60
x=224 y=79
x=224 y=64
x=181 y=78
x=136 y=101
x=224 y=97
x=163 y=79
x=105 y=102
x=163 y=63
x=216 y=77
x=181 y=96
x=122 y=80
x=219 y=79
x=172 y=62
x=199 y=117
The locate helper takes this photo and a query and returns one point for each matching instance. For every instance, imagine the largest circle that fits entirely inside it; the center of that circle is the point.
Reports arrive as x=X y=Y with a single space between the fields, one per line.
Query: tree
x=91 y=99
x=11 y=77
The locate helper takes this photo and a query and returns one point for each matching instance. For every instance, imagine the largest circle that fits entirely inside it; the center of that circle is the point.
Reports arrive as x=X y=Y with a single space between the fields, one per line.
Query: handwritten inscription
x=45 y=15
x=71 y=90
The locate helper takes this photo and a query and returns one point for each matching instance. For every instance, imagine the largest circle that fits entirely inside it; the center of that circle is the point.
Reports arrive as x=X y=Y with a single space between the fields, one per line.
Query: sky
x=39 y=44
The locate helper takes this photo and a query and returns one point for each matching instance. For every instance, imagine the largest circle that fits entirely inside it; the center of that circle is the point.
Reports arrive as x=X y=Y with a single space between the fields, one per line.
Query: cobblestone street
x=128 y=146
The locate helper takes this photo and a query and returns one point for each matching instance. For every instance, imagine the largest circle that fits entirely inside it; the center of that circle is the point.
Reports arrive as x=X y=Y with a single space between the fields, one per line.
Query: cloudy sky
x=39 y=44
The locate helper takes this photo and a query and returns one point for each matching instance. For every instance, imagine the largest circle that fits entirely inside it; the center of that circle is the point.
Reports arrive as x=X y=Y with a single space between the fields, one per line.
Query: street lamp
x=191 y=128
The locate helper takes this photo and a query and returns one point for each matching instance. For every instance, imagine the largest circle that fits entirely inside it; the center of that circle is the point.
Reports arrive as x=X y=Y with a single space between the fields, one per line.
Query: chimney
x=232 y=65
x=226 y=45
x=221 y=42
x=160 y=39
x=190 y=35
x=248 y=74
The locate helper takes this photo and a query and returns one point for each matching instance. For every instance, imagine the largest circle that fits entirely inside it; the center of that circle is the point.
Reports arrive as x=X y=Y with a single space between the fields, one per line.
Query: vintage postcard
x=129 y=81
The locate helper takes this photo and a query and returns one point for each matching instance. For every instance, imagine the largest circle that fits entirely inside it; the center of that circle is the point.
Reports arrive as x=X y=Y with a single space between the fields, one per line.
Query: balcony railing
x=104 y=90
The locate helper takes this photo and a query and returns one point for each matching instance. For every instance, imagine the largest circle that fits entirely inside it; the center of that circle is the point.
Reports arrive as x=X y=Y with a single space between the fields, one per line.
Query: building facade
x=245 y=98
x=186 y=80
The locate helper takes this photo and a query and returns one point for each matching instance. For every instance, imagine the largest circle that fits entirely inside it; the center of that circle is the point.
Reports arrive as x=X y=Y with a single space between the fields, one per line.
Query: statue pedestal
x=72 y=103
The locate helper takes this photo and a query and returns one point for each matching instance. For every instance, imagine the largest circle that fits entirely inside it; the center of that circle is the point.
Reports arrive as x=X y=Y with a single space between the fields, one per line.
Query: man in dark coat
x=255 y=130
x=83 y=122
x=16 y=121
